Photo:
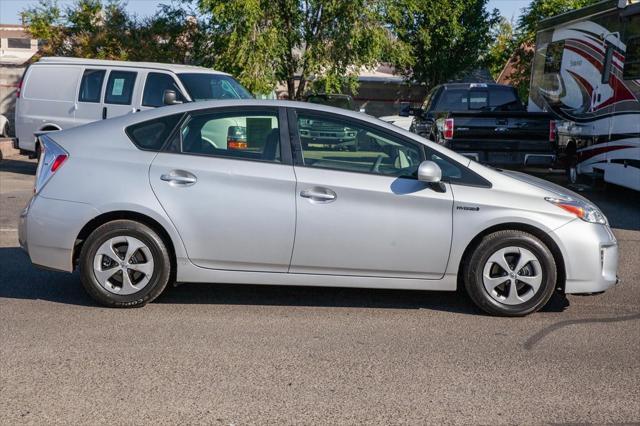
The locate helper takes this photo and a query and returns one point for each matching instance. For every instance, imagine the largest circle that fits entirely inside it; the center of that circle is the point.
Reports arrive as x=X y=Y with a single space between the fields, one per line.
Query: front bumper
x=590 y=253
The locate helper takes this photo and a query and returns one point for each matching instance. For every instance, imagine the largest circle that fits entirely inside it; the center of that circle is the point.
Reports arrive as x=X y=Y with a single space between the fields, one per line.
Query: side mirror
x=429 y=172
x=170 y=97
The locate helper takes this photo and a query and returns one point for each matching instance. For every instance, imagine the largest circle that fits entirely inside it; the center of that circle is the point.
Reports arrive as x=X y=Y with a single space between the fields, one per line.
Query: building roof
x=127 y=64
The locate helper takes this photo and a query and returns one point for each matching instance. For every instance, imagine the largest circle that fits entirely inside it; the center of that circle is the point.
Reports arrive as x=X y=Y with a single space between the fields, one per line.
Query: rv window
x=632 y=59
x=606 y=70
x=553 y=57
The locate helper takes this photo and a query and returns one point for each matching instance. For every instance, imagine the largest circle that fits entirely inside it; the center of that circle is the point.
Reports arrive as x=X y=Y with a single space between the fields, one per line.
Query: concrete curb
x=7 y=149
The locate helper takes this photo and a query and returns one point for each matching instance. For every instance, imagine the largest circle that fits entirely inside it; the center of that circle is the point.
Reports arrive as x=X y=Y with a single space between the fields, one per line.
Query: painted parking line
x=8 y=230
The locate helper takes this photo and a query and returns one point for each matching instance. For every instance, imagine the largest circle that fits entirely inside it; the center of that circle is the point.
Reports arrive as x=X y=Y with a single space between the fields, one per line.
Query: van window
x=155 y=86
x=51 y=83
x=91 y=86
x=120 y=87
x=202 y=87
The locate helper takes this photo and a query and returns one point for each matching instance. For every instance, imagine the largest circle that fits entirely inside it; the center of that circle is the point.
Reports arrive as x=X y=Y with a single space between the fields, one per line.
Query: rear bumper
x=591 y=257
x=48 y=229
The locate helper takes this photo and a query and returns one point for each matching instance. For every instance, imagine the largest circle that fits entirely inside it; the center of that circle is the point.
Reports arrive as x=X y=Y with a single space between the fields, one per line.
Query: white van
x=59 y=93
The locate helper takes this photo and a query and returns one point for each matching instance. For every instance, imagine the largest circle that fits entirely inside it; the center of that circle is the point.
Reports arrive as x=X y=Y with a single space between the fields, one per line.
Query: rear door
x=89 y=99
x=360 y=209
x=232 y=203
x=119 y=93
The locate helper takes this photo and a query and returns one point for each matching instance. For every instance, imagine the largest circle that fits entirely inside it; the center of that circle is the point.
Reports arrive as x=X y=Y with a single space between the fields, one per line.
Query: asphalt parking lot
x=221 y=354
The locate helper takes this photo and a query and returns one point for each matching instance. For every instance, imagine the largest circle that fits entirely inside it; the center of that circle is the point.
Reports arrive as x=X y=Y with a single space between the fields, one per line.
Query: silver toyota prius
x=287 y=193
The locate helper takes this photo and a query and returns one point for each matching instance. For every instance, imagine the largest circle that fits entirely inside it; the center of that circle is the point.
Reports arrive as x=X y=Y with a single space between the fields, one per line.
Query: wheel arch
x=103 y=218
x=517 y=226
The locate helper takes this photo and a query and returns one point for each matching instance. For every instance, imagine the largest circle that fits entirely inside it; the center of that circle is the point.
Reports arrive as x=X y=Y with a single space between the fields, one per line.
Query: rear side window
x=151 y=135
x=91 y=86
x=155 y=86
x=120 y=87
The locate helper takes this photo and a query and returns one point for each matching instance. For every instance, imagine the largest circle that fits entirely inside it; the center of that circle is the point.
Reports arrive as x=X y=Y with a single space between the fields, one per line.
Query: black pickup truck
x=486 y=122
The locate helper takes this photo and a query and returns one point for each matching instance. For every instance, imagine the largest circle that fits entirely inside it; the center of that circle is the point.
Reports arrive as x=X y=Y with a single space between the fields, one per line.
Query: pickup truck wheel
x=510 y=273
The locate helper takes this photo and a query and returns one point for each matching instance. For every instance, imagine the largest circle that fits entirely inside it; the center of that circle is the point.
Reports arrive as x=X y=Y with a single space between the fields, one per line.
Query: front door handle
x=104 y=113
x=179 y=178
x=321 y=195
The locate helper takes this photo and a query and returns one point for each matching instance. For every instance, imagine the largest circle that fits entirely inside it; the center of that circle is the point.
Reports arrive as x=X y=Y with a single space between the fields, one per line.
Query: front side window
x=91 y=86
x=154 y=89
x=120 y=87
x=203 y=87
x=254 y=136
x=342 y=145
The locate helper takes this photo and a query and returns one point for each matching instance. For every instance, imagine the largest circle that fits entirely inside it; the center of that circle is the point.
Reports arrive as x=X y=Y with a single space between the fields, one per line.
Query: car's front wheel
x=124 y=264
x=510 y=273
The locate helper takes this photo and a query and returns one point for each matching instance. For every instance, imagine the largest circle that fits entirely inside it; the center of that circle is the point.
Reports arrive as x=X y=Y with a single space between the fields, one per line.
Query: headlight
x=585 y=211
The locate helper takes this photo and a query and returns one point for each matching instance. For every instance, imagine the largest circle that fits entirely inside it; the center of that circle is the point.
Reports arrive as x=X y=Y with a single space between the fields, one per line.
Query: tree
x=104 y=30
x=501 y=48
x=526 y=36
x=447 y=38
x=324 y=43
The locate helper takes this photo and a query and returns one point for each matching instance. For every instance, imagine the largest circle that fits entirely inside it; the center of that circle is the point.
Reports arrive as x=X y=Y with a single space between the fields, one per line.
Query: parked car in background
x=141 y=200
x=404 y=119
x=4 y=126
x=488 y=123
x=60 y=93
x=586 y=72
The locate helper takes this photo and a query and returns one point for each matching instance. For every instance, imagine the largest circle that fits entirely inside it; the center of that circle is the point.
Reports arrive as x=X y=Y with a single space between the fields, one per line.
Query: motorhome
x=586 y=71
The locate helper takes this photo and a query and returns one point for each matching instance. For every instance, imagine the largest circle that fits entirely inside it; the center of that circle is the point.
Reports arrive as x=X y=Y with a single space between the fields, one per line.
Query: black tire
x=474 y=266
x=161 y=264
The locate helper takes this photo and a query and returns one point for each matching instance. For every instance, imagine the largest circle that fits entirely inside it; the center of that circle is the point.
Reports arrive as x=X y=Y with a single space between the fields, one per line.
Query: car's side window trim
x=296 y=144
x=279 y=112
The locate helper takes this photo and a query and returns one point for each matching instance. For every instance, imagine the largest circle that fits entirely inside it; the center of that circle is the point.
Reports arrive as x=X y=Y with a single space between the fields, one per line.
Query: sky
x=10 y=9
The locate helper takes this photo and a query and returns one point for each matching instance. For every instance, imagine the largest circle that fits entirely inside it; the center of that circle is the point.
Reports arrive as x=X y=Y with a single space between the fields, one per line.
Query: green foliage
x=324 y=42
x=501 y=48
x=526 y=36
x=104 y=30
x=447 y=38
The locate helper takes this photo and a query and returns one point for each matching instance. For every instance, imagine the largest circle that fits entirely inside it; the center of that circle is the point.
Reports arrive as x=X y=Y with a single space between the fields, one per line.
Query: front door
x=360 y=208
x=231 y=195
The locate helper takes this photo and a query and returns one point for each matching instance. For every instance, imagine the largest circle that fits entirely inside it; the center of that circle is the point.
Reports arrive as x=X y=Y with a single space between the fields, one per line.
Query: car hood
x=555 y=189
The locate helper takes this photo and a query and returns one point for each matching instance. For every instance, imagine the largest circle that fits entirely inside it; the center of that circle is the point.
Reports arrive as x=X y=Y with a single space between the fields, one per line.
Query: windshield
x=204 y=87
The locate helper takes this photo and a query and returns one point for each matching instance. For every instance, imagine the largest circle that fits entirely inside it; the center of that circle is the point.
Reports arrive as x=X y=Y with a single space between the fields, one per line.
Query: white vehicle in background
x=4 y=126
x=398 y=120
x=60 y=93
x=586 y=71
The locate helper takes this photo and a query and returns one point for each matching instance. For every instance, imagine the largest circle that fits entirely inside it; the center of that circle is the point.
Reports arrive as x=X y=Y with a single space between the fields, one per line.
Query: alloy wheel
x=512 y=275
x=123 y=265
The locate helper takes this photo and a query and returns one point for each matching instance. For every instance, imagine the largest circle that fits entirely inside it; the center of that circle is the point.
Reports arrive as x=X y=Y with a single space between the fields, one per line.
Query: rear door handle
x=179 y=178
x=321 y=195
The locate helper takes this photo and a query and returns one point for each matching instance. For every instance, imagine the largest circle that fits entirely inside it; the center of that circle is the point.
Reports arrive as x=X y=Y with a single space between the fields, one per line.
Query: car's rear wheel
x=510 y=273
x=124 y=264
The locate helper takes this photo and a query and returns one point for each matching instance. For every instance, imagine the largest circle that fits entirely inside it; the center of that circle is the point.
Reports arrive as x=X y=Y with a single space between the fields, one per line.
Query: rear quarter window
x=51 y=83
x=151 y=135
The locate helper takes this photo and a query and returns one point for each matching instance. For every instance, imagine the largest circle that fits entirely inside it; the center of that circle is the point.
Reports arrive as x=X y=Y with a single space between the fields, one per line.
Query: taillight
x=448 y=128
x=552 y=130
x=52 y=157
x=19 y=89
x=58 y=162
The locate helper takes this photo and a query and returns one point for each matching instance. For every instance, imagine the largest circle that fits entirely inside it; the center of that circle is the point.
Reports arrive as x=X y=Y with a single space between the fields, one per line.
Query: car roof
x=176 y=68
